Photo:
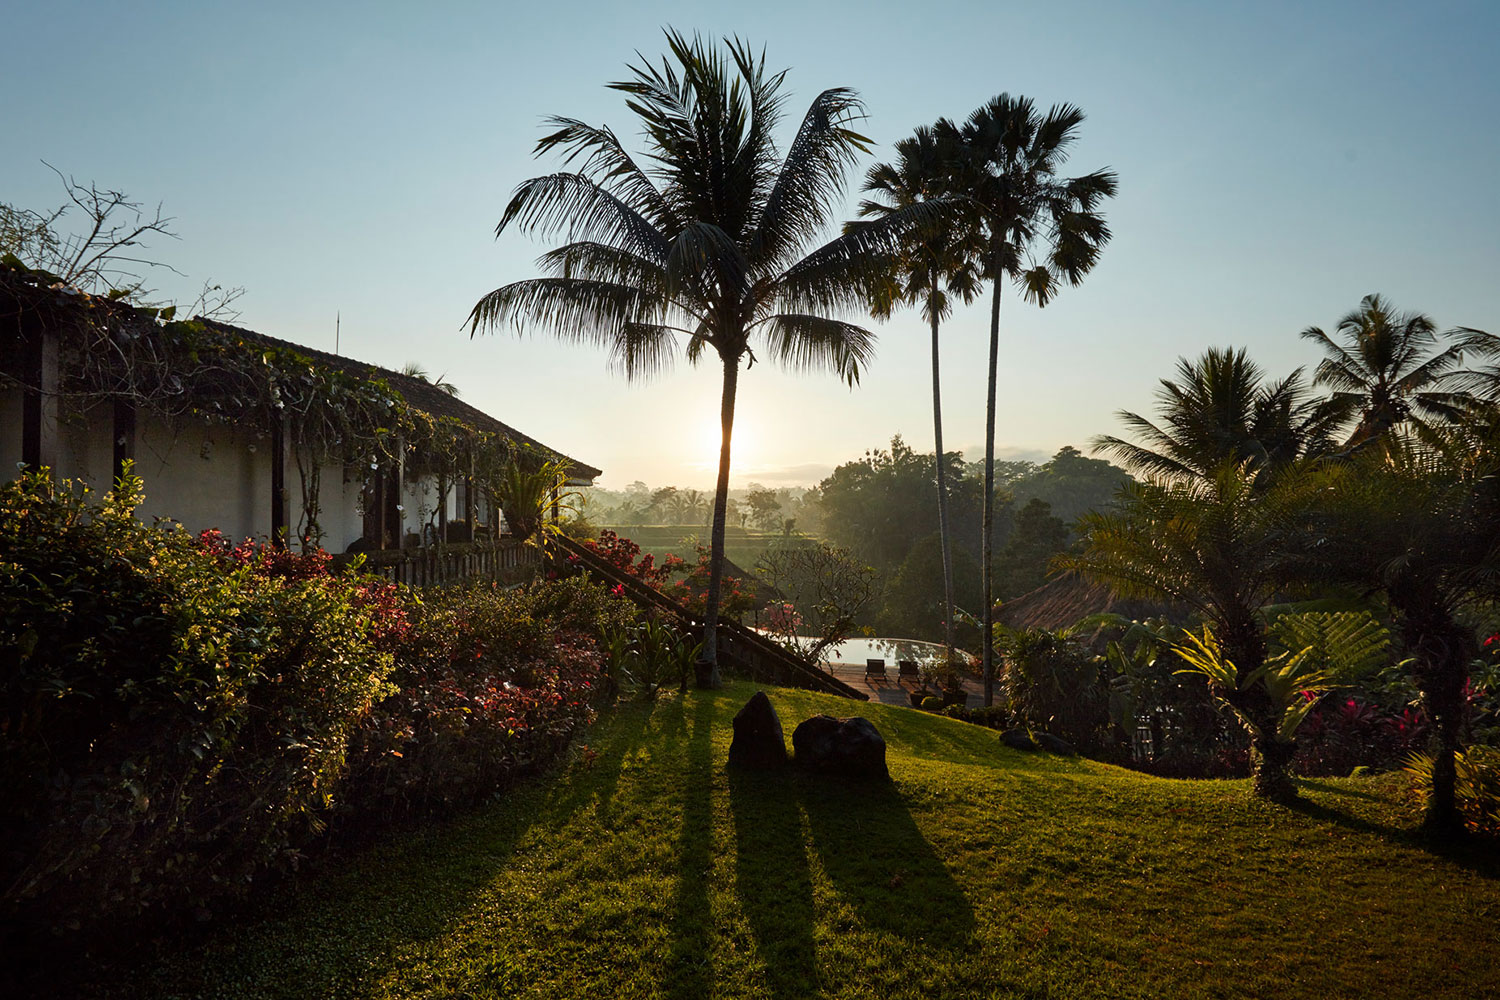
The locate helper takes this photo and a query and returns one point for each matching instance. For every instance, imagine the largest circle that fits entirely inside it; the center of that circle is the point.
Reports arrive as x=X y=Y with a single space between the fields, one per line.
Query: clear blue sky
x=1277 y=161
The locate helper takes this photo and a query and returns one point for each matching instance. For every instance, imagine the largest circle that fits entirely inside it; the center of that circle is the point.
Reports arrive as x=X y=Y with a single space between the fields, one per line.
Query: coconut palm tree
x=1389 y=367
x=1039 y=230
x=938 y=264
x=708 y=243
x=1481 y=381
x=1221 y=409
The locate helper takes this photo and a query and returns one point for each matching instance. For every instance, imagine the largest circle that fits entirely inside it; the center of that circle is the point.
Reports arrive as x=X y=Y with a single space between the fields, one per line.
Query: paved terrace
x=892 y=690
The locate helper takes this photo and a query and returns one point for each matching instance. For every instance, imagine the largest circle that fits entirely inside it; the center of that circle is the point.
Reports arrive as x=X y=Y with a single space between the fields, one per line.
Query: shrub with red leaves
x=490 y=685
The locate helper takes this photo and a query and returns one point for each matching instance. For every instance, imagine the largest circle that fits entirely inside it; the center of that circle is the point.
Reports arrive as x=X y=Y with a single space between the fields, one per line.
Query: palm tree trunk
x=987 y=543
x=1270 y=777
x=710 y=655
x=942 y=483
x=1442 y=670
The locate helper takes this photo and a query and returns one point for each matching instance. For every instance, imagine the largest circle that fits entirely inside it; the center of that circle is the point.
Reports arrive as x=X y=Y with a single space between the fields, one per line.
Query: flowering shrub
x=1341 y=734
x=692 y=590
x=182 y=715
x=781 y=618
x=489 y=684
x=185 y=709
x=625 y=556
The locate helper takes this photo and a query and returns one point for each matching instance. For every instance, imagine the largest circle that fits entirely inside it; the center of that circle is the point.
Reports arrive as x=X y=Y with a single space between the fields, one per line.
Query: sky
x=348 y=162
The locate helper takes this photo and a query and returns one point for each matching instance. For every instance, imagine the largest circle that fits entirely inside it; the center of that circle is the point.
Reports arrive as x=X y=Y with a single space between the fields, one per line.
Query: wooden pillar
x=397 y=502
x=278 y=485
x=38 y=399
x=442 y=487
x=124 y=435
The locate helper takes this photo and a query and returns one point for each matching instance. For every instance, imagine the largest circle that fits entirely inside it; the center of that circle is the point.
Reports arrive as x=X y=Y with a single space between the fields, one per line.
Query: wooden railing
x=505 y=561
x=748 y=650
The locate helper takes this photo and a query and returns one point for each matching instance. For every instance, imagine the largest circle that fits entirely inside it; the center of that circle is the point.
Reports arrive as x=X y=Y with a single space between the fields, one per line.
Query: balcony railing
x=506 y=561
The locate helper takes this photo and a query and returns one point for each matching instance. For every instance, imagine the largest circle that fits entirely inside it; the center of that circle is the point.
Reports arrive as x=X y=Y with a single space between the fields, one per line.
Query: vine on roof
x=198 y=370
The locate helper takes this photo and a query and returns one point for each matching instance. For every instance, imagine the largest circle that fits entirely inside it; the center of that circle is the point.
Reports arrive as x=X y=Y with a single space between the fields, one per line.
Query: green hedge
x=183 y=716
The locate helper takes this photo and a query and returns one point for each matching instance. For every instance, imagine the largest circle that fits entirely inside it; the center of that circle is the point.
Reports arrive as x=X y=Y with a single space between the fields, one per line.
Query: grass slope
x=646 y=869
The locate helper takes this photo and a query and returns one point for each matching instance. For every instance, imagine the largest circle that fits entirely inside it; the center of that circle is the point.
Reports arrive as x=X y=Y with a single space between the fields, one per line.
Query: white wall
x=205 y=476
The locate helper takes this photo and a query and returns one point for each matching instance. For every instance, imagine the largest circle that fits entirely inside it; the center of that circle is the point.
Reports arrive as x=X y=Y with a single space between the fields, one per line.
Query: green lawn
x=646 y=869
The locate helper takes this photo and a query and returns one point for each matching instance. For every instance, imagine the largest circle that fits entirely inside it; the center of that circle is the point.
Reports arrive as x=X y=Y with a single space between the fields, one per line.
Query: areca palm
x=1388 y=366
x=1039 y=230
x=707 y=246
x=1221 y=409
x=938 y=263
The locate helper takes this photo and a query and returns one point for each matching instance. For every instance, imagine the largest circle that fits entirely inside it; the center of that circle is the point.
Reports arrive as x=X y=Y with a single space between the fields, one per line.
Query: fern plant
x=1314 y=652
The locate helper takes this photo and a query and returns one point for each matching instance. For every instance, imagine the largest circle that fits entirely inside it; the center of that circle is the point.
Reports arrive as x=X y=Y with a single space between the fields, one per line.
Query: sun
x=744 y=447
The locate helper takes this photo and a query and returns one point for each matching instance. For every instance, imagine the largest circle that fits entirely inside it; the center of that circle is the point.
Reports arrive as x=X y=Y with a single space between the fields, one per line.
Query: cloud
x=1006 y=453
x=808 y=474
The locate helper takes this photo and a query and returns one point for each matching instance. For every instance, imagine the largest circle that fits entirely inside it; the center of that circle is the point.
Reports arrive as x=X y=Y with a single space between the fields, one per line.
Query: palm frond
x=606 y=162
x=572 y=309
x=579 y=208
x=807 y=188
x=703 y=257
x=840 y=274
x=804 y=342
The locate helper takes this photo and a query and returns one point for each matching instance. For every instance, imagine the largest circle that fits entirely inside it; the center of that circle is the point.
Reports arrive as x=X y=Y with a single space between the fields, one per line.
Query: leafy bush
x=489 y=684
x=989 y=716
x=1051 y=684
x=649 y=654
x=1477 y=785
x=175 y=713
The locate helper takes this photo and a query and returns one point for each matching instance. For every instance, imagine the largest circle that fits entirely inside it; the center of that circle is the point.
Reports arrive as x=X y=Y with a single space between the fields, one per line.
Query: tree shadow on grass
x=1473 y=855
x=330 y=932
x=879 y=862
x=772 y=879
x=689 y=972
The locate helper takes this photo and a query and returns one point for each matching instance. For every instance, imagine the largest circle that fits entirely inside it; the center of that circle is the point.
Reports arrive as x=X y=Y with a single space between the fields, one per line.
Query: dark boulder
x=1055 y=744
x=758 y=743
x=852 y=748
x=1017 y=739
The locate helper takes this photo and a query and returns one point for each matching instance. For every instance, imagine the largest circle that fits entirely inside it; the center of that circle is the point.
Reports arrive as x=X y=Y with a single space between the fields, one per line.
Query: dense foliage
x=882 y=508
x=184 y=716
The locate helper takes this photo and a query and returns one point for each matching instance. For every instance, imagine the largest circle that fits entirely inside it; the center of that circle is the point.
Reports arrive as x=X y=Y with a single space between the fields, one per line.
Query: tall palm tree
x=708 y=243
x=1388 y=366
x=1039 y=230
x=1220 y=409
x=938 y=264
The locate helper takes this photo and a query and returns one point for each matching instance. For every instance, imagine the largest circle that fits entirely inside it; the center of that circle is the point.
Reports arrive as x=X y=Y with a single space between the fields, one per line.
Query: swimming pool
x=857 y=651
